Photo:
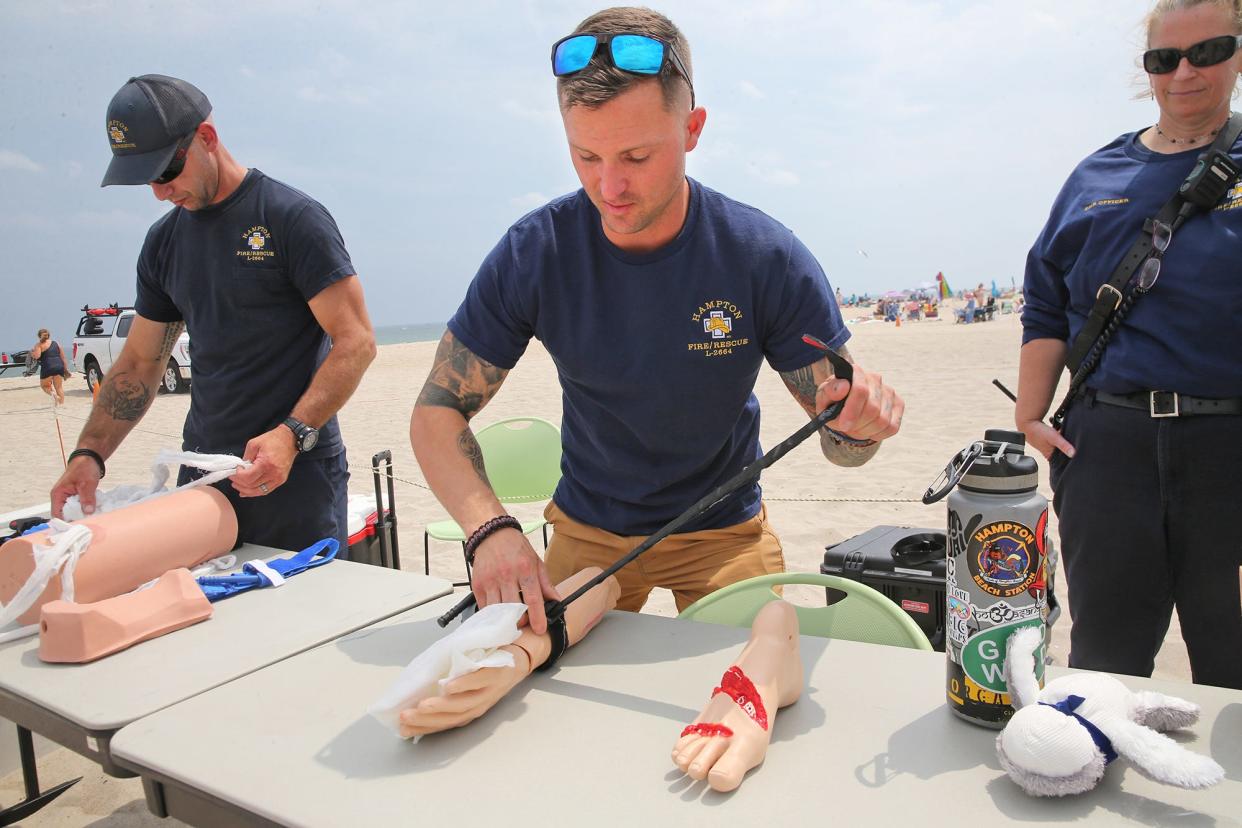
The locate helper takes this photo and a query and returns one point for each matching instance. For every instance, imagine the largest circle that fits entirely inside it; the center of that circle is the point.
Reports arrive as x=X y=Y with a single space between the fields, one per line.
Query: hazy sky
x=932 y=135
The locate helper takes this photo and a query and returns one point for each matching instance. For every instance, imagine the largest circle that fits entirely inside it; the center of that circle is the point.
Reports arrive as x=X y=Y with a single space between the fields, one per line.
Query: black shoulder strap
x=1110 y=294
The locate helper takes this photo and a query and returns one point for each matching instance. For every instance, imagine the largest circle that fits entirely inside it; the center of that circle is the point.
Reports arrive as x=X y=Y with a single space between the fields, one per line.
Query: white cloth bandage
x=217 y=466
x=67 y=544
x=472 y=646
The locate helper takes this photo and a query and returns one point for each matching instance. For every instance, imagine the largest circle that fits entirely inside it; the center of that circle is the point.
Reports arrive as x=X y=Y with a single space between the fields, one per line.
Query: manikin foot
x=731 y=735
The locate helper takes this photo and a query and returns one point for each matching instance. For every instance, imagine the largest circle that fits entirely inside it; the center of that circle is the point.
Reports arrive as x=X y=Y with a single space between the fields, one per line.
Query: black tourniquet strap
x=557 y=632
x=1110 y=293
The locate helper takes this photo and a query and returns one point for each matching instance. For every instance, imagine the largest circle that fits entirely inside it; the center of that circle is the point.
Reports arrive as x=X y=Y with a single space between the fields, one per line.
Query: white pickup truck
x=100 y=337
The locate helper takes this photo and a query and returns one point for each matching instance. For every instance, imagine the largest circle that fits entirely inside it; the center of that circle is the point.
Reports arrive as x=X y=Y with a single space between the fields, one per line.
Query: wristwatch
x=304 y=436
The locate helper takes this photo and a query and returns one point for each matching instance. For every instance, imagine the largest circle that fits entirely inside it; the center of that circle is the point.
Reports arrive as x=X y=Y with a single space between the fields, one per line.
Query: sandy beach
x=943 y=370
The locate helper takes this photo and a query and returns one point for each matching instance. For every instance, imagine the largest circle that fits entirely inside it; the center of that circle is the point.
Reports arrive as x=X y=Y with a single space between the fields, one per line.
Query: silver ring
x=263 y=488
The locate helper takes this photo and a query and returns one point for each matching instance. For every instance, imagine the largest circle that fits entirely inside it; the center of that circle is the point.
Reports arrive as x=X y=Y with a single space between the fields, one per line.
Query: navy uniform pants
x=309 y=507
x=1148 y=511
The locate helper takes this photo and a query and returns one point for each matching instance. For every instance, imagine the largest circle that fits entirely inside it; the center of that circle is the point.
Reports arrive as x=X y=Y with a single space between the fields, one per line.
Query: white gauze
x=472 y=646
x=217 y=466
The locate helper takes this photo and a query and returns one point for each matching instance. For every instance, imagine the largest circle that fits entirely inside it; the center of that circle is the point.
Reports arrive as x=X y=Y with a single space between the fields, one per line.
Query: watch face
x=310 y=438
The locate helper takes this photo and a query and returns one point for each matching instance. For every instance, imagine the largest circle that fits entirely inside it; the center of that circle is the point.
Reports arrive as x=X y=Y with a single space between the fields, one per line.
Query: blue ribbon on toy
x=1071 y=703
x=219 y=587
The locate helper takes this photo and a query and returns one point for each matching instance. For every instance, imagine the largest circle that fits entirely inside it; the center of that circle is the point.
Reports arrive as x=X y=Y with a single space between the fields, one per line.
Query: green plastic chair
x=864 y=614
x=523 y=460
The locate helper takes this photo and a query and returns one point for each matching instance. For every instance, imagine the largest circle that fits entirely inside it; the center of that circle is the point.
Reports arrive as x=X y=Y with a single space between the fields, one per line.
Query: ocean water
x=416 y=332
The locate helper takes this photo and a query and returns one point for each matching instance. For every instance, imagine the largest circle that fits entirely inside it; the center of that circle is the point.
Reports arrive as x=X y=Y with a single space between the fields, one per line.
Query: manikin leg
x=467 y=697
x=731 y=735
x=84 y=632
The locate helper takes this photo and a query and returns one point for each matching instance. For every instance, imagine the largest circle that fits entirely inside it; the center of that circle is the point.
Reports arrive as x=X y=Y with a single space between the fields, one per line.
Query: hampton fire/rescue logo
x=118 y=133
x=257 y=242
x=717 y=319
x=1003 y=558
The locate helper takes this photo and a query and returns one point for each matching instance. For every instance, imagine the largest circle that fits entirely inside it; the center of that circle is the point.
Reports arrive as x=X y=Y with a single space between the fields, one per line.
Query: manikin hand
x=271 y=455
x=468 y=697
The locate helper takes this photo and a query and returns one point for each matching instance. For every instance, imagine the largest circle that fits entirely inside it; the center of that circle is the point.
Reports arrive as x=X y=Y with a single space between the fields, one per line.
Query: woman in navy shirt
x=1145 y=467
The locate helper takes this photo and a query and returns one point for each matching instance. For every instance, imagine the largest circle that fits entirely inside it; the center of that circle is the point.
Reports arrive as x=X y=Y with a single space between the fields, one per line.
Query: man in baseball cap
x=150 y=121
x=258 y=274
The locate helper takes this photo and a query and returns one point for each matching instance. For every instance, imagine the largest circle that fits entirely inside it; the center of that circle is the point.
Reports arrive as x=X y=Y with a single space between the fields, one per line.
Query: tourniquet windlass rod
x=841 y=370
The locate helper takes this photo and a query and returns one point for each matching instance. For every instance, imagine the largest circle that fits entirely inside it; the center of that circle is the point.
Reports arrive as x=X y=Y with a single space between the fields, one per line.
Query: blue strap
x=219 y=587
x=1071 y=703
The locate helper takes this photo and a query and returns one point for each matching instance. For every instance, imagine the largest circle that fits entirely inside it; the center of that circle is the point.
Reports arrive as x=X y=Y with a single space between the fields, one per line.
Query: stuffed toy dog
x=1061 y=738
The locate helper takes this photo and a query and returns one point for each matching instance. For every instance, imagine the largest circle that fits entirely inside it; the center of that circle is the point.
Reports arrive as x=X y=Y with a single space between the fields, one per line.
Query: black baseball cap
x=147 y=118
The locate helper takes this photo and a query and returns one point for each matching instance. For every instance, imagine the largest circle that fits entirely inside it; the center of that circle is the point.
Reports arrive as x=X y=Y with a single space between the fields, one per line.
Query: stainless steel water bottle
x=997 y=572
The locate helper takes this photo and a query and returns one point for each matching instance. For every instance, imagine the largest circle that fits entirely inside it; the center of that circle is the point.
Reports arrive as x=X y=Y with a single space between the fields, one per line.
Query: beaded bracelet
x=486 y=530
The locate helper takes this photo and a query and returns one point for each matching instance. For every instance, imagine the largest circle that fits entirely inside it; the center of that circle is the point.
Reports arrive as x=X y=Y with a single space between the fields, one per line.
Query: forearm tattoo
x=172 y=332
x=802 y=383
x=460 y=380
x=470 y=449
x=124 y=398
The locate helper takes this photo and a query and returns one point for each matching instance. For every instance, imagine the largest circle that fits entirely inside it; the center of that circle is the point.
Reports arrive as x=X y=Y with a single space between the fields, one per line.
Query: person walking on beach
x=52 y=367
x=258 y=274
x=1145 y=467
x=658 y=299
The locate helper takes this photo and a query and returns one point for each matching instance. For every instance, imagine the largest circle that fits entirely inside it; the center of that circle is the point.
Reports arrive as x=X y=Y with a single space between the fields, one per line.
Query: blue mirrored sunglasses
x=639 y=54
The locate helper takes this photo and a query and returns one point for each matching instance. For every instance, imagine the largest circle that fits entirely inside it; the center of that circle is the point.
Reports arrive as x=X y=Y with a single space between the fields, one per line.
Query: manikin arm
x=470 y=696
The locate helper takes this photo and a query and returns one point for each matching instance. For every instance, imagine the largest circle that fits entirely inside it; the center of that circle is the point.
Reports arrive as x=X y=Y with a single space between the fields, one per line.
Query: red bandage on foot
x=707 y=729
x=736 y=686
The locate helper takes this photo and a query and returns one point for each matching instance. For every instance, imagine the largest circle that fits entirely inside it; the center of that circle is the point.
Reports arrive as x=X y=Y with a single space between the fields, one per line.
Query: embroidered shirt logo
x=256 y=242
x=1232 y=199
x=717 y=318
x=118 y=133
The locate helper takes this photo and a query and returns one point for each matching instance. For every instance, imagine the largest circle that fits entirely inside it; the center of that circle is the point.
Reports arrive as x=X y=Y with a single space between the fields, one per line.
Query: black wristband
x=486 y=530
x=846 y=440
x=94 y=455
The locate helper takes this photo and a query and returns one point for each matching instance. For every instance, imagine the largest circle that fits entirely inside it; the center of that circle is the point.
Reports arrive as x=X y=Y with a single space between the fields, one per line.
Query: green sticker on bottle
x=983 y=656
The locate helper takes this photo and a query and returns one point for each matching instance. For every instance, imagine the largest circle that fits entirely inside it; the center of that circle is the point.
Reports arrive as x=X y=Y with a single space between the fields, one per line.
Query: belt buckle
x=1117 y=297
x=1159 y=407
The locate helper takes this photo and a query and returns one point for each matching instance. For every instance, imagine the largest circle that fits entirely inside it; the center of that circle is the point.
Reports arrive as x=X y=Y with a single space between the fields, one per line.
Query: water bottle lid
x=1001 y=435
x=997 y=473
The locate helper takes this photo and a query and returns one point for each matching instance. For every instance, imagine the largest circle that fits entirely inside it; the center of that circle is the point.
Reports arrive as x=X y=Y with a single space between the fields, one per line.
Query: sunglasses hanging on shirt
x=1208 y=52
x=633 y=53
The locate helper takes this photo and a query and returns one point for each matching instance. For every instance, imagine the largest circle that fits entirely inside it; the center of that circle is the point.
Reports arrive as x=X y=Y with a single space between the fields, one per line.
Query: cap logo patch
x=118 y=132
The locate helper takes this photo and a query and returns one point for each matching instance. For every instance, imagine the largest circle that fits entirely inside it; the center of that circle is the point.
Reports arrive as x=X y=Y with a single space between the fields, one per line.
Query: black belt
x=1169 y=403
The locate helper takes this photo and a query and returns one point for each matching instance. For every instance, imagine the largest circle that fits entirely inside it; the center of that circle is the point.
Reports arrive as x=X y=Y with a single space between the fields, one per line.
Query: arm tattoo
x=460 y=380
x=172 y=332
x=123 y=398
x=469 y=447
x=802 y=382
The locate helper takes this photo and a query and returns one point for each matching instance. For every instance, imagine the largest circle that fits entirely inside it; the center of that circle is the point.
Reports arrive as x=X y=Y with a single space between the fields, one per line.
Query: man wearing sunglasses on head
x=659 y=300
x=258 y=274
x=1144 y=461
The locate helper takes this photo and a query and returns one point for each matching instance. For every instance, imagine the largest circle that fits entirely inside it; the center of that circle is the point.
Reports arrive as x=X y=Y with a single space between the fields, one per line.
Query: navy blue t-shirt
x=657 y=353
x=240 y=274
x=1183 y=335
